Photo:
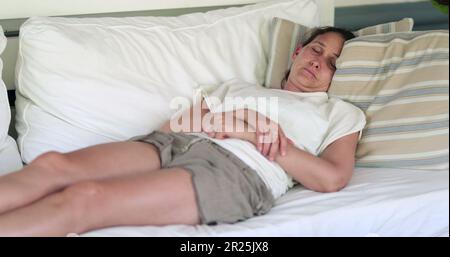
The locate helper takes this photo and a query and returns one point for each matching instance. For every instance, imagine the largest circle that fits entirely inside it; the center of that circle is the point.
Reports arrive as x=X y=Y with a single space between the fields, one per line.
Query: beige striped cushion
x=286 y=36
x=401 y=81
x=404 y=25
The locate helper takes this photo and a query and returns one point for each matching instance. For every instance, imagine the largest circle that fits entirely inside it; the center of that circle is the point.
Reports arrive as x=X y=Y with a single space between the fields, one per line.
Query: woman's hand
x=265 y=134
x=270 y=138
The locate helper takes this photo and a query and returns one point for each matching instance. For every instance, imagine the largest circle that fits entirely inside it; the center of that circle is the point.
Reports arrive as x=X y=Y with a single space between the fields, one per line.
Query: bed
x=381 y=200
x=377 y=203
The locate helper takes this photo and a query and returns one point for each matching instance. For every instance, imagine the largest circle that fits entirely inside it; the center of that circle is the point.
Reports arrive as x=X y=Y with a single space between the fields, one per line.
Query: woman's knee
x=51 y=161
x=83 y=196
x=77 y=202
x=84 y=191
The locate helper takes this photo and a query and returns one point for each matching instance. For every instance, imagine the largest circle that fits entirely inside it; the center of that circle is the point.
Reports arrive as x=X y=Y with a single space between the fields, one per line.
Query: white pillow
x=93 y=80
x=9 y=155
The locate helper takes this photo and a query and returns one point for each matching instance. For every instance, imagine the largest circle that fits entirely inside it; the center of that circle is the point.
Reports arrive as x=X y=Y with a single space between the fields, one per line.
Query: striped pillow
x=401 y=81
x=287 y=35
x=403 y=25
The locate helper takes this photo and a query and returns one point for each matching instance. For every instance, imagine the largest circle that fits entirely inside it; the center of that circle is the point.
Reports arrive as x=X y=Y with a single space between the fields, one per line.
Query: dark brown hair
x=345 y=34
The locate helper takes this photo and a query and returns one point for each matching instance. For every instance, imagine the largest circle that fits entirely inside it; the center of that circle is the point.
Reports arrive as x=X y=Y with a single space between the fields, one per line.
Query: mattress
x=377 y=202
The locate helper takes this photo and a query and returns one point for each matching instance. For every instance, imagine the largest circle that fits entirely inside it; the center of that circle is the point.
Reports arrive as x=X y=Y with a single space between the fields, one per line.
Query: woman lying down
x=217 y=172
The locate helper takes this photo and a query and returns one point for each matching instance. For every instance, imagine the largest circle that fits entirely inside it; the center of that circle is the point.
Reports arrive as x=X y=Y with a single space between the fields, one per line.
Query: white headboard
x=15 y=9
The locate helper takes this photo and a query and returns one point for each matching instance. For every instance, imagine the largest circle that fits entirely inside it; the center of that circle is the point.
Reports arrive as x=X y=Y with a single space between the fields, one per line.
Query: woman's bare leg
x=157 y=198
x=53 y=171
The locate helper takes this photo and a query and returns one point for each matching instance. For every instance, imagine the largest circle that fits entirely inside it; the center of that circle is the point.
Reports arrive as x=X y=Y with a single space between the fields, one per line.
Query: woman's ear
x=296 y=52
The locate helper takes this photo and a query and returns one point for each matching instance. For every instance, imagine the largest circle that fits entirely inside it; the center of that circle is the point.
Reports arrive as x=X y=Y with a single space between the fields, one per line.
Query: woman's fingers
x=266 y=136
x=259 y=139
x=266 y=144
x=274 y=147
x=260 y=136
x=283 y=141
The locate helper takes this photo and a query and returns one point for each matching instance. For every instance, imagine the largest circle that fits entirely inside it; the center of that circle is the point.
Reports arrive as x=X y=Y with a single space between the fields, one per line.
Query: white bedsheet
x=377 y=202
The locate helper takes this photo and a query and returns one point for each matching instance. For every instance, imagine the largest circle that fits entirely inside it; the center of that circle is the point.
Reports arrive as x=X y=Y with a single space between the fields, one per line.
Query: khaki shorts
x=227 y=190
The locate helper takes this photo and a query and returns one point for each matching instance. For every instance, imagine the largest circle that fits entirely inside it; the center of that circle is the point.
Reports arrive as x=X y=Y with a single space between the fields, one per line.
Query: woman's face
x=314 y=64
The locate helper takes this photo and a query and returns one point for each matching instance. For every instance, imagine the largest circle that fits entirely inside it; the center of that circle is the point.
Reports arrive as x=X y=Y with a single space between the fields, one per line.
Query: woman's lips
x=308 y=71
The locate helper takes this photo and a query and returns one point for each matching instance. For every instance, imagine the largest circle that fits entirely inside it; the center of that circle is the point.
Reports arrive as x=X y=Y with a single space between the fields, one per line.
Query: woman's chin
x=293 y=87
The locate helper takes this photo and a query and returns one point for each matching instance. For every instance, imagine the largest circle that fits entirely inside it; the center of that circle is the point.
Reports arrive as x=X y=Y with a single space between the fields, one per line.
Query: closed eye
x=316 y=49
x=332 y=65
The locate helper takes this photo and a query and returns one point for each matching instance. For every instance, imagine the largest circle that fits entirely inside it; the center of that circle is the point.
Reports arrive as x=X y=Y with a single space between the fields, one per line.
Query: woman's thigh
x=111 y=160
x=161 y=197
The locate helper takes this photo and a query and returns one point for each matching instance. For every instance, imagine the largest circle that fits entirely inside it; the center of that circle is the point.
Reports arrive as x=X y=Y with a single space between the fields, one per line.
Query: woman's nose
x=315 y=64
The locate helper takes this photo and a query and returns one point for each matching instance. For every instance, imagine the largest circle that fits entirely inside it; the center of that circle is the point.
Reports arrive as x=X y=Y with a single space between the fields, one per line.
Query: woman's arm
x=226 y=125
x=330 y=172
